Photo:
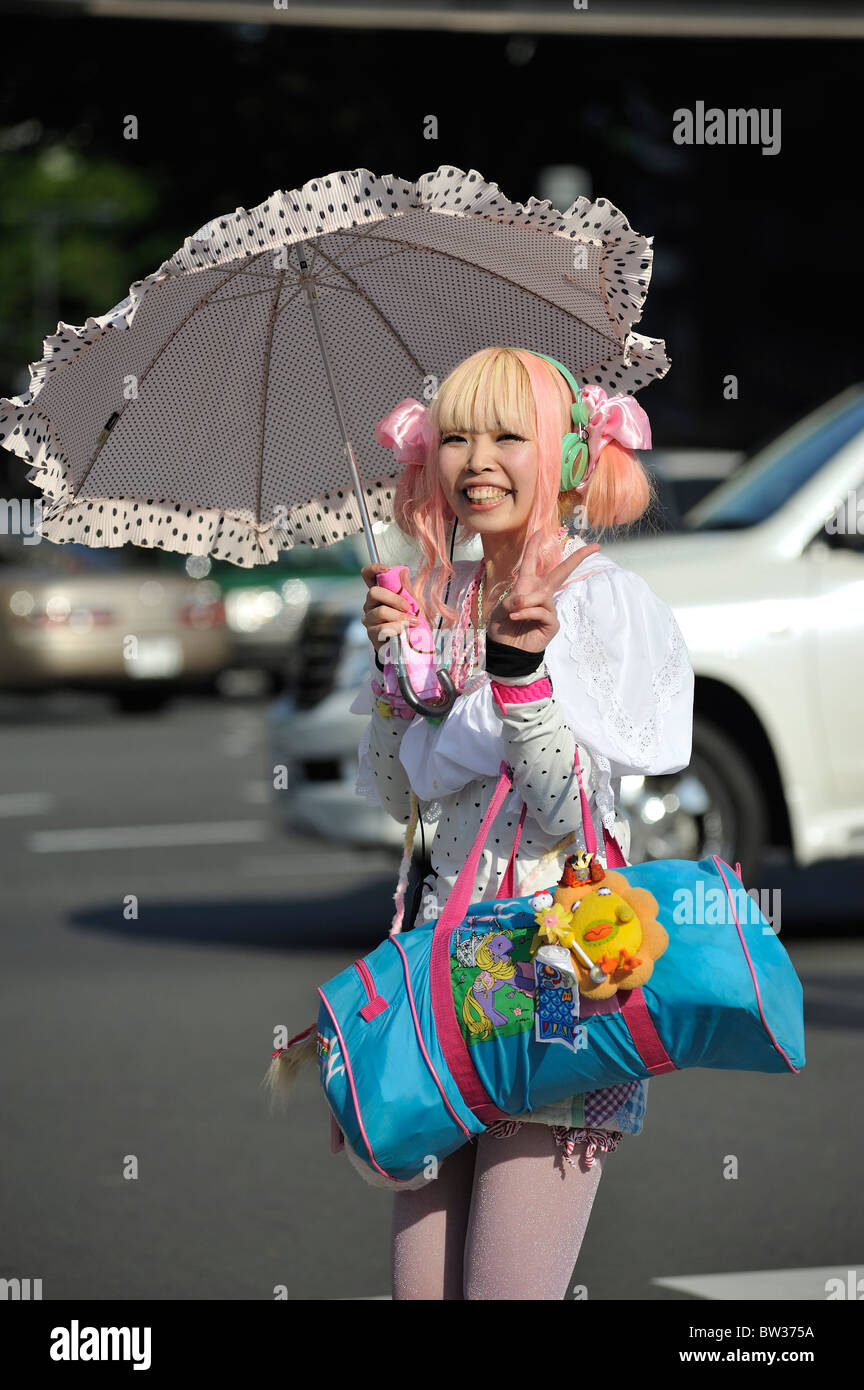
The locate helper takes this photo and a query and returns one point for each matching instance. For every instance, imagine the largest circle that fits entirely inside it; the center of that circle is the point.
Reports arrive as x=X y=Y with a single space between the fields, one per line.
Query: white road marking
x=750 y=1285
x=241 y=737
x=150 y=836
x=258 y=793
x=26 y=803
x=768 y=1285
x=332 y=865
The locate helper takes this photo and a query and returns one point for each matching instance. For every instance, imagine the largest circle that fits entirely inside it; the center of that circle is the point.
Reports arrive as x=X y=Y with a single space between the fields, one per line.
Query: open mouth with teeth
x=485 y=495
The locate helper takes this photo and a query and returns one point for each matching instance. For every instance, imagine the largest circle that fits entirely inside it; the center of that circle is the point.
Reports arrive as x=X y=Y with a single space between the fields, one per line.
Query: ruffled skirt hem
x=566 y=1137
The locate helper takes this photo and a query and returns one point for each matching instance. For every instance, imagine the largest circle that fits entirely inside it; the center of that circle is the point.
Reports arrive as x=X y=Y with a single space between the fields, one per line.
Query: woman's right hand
x=382 y=607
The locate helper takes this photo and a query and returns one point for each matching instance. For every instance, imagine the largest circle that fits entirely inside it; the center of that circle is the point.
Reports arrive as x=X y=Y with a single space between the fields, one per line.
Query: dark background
x=755 y=268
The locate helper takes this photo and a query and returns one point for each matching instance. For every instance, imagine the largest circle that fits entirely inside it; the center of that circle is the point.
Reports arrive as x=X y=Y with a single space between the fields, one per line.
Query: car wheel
x=715 y=806
x=141 y=701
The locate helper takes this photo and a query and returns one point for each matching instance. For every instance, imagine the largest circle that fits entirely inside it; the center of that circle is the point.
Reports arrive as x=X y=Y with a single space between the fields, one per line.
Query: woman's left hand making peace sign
x=526 y=618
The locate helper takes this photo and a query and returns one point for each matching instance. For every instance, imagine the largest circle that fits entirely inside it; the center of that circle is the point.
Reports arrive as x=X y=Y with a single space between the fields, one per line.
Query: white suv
x=766 y=579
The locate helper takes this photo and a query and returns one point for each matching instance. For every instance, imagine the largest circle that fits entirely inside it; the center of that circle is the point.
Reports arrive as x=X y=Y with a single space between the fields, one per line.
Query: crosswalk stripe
x=26 y=803
x=780 y=1285
x=150 y=836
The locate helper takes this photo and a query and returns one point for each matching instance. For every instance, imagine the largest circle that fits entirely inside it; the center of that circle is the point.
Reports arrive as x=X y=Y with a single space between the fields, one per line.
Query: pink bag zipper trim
x=350 y=1075
x=377 y=1003
x=774 y=1041
x=508 y=887
x=418 y=1031
x=611 y=848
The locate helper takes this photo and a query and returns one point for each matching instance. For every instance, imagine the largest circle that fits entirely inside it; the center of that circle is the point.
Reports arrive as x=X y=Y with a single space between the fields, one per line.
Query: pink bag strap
x=507 y=889
x=453 y=1044
x=646 y=1039
x=612 y=850
x=459 y=901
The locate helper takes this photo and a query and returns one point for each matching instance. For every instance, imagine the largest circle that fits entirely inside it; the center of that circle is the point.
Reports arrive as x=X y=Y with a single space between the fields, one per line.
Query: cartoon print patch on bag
x=330 y=1062
x=493 y=982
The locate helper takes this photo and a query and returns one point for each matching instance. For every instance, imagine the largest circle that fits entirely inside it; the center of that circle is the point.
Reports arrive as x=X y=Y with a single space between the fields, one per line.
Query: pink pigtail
x=619 y=490
x=420 y=510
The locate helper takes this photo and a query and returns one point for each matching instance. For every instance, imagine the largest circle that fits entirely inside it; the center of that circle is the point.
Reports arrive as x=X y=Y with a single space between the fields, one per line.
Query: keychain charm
x=557 y=1012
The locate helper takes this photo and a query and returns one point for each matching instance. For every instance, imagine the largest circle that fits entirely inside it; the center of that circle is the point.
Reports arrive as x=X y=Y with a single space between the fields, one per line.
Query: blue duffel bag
x=436 y=1033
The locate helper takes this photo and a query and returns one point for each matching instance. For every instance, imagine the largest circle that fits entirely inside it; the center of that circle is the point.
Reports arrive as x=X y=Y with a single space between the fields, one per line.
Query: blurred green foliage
x=70 y=236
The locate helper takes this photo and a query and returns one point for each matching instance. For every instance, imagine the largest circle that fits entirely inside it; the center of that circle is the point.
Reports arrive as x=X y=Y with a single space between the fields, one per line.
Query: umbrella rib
x=252 y=274
x=334 y=265
x=105 y=435
x=250 y=294
x=393 y=247
x=372 y=260
x=496 y=274
x=271 y=322
x=354 y=289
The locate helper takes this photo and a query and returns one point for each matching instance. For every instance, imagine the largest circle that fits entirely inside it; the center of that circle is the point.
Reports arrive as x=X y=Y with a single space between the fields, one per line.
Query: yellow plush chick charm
x=614 y=925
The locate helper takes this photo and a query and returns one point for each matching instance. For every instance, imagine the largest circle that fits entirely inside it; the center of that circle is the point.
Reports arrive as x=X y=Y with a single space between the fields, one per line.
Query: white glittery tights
x=504 y=1219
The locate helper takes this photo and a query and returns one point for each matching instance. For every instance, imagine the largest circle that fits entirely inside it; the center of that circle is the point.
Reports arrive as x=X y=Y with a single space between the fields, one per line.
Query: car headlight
x=247 y=610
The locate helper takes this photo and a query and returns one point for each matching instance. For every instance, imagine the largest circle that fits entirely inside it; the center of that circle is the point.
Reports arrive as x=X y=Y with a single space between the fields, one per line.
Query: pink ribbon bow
x=613 y=417
x=405 y=430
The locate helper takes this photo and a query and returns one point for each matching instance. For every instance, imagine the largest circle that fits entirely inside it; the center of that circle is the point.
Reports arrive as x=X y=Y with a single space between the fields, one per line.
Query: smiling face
x=489 y=478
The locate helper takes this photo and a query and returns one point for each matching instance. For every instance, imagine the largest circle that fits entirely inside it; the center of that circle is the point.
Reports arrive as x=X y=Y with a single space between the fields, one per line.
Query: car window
x=764 y=484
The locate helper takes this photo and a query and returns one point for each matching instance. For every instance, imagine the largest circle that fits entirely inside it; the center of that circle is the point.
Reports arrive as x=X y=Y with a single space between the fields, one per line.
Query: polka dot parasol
x=216 y=410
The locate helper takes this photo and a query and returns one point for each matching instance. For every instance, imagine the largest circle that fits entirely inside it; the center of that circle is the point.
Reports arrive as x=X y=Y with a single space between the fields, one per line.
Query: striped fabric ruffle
x=606 y=1140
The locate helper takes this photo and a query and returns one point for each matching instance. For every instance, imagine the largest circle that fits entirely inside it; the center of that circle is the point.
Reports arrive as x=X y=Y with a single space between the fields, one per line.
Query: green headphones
x=574 y=447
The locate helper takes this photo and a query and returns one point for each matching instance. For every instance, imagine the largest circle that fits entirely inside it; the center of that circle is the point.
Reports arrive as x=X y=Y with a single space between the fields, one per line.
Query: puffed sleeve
x=539 y=747
x=621 y=671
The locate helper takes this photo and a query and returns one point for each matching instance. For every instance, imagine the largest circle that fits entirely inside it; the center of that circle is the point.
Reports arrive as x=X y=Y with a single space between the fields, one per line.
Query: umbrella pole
x=308 y=283
x=436 y=709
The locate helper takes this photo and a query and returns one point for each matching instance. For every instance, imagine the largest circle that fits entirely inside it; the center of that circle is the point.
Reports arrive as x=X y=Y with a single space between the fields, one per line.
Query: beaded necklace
x=480 y=597
x=467 y=662
x=461 y=671
x=464 y=667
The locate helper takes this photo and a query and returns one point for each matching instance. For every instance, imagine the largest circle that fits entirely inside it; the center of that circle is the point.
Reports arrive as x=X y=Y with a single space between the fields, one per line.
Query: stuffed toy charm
x=609 y=927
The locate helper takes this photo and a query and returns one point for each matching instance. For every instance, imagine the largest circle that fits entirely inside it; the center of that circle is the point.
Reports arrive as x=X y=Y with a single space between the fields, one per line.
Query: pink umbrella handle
x=395 y=579
x=418 y=654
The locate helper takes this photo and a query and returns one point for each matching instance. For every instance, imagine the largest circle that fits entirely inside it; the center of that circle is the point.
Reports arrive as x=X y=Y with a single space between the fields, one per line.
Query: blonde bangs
x=489 y=391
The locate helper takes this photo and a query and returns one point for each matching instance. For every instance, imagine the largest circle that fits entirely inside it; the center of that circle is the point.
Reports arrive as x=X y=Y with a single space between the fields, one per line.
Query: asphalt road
x=140 y=1036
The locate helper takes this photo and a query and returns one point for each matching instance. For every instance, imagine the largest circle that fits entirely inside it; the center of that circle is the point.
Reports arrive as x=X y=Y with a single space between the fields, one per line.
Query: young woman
x=602 y=660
